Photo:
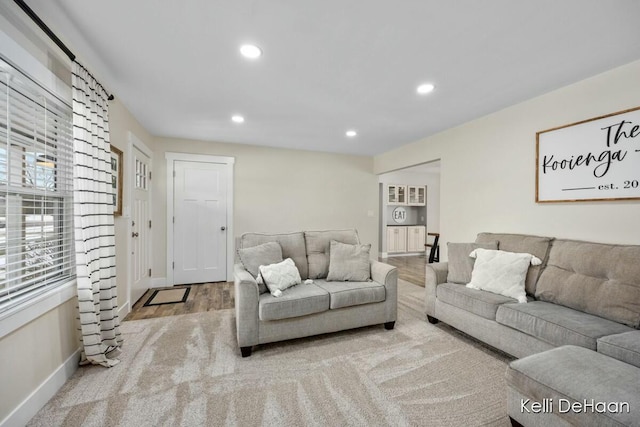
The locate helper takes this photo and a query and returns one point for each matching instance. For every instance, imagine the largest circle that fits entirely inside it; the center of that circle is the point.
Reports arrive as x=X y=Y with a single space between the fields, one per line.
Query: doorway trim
x=134 y=141
x=171 y=157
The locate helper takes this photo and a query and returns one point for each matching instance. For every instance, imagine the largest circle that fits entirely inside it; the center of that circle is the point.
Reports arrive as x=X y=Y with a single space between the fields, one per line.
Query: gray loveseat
x=310 y=309
x=577 y=335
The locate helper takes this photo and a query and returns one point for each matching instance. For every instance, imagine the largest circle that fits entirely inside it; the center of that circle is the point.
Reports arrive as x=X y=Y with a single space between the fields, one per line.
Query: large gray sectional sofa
x=577 y=336
x=315 y=308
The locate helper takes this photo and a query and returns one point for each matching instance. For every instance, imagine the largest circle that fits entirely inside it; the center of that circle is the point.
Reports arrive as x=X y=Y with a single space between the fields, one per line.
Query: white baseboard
x=383 y=255
x=124 y=310
x=404 y=254
x=158 y=282
x=41 y=395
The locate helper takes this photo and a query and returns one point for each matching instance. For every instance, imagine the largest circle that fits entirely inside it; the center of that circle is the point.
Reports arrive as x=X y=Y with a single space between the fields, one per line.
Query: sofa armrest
x=387 y=275
x=247 y=298
x=435 y=274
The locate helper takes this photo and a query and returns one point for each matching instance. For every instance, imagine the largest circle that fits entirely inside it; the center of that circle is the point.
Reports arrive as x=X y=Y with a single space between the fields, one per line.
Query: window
x=36 y=189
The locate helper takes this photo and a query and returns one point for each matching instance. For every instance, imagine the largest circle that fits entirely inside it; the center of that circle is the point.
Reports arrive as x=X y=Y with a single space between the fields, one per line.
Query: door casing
x=128 y=206
x=141 y=241
x=171 y=157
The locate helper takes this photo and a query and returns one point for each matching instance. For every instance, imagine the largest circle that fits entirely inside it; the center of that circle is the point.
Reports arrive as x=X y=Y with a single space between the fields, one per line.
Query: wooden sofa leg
x=514 y=423
x=246 y=351
x=389 y=325
x=432 y=320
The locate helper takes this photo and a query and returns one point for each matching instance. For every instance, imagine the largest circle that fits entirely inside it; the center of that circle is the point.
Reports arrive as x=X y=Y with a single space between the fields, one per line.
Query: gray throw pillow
x=460 y=263
x=349 y=262
x=265 y=254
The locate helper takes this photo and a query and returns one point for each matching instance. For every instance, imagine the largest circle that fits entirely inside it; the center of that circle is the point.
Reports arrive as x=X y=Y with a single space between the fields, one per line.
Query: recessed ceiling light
x=250 y=51
x=237 y=119
x=425 y=88
x=351 y=133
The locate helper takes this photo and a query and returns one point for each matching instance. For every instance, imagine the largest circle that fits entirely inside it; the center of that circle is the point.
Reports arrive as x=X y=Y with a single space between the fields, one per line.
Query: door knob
x=134 y=234
x=223 y=228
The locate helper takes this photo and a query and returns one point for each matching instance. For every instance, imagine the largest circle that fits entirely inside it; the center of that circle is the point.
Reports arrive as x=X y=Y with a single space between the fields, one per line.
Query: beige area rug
x=187 y=371
x=167 y=296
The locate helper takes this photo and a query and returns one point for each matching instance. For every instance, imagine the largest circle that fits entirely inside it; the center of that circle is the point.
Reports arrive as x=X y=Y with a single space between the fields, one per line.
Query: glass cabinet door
x=402 y=195
x=393 y=196
x=421 y=199
x=413 y=195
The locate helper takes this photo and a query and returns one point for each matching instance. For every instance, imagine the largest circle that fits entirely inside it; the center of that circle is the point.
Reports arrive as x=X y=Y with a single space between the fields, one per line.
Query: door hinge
x=173 y=265
x=149 y=223
x=149 y=175
x=149 y=272
x=174 y=219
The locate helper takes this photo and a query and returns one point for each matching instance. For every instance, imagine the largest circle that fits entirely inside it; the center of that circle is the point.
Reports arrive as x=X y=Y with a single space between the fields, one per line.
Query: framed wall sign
x=116 y=179
x=592 y=160
x=399 y=215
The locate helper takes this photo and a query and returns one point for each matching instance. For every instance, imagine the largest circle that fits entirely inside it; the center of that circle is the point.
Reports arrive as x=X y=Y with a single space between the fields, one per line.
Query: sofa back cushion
x=595 y=278
x=318 y=245
x=292 y=245
x=349 y=263
x=522 y=243
x=265 y=254
x=460 y=263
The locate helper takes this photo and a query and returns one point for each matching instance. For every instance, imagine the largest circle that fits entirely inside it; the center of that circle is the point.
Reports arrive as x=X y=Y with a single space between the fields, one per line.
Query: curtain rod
x=35 y=18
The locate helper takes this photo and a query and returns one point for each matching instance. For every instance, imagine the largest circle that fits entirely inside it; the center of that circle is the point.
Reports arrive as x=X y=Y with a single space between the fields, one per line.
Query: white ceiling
x=332 y=65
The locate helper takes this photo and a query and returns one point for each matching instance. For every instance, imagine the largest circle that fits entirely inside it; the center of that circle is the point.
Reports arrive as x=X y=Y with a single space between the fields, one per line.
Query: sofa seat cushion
x=625 y=347
x=577 y=375
x=482 y=303
x=297 y=301
x=347 y=294
x=556 y=324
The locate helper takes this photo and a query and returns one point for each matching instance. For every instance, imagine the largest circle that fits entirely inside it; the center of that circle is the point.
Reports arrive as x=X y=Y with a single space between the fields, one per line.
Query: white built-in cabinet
x=396 y=239
x=415 y=238
x=411 y=195
x=396 y=194
x=405 y=239
x=416 y=195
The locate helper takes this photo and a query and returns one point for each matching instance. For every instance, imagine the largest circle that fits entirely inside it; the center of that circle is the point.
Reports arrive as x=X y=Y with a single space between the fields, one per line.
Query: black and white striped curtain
x=93 y=222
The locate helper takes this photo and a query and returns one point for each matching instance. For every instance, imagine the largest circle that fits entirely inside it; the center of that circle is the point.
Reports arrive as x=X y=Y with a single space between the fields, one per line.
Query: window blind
x=36 y=189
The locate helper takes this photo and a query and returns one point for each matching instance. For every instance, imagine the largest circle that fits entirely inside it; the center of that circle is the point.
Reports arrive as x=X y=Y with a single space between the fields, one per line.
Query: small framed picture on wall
x=116 y=179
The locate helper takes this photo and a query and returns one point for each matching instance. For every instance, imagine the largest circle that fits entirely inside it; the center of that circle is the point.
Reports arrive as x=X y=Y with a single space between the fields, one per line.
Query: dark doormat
x=167 y=296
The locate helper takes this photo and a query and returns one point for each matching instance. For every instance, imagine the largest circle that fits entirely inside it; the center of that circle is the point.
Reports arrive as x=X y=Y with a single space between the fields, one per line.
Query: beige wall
x=32 y=353
x=488 y=167
x=279 y=190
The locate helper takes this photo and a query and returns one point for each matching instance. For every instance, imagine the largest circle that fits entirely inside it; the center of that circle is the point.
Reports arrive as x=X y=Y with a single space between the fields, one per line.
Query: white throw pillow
x=501 y=272
x=280 y=276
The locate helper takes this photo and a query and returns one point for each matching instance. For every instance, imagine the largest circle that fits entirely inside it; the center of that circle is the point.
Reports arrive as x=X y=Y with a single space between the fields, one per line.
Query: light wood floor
x=219 y=295
x=410 y=268
x=202 y=297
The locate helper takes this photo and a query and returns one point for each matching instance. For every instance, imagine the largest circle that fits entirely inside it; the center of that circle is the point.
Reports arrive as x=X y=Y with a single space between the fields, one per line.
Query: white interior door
x=200 y=222
x=140 y=224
